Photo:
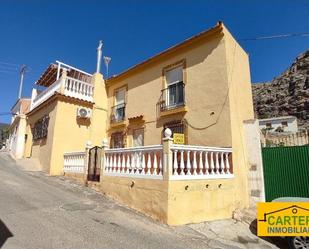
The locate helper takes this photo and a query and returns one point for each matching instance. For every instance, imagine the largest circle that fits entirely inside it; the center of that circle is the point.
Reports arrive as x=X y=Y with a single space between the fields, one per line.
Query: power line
x=9 y=64
x=5 y=113
x=282 y=36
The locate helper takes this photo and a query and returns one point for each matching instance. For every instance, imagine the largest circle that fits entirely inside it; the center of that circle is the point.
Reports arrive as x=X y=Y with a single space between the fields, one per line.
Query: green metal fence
x=286 y=171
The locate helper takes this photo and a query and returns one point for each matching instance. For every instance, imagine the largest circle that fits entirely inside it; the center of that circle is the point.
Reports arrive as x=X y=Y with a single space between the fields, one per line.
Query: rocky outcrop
x=287 y=94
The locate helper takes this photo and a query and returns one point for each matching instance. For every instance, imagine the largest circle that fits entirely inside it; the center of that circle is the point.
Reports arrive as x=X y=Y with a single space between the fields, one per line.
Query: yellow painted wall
x=146 y=196
x=241 y=108
x=206 y=88
x=193 y=201
x=66 y=132
x=170 y=202
x=218 y=99
x=99 y=111
x=70 y=133
x=42 y=149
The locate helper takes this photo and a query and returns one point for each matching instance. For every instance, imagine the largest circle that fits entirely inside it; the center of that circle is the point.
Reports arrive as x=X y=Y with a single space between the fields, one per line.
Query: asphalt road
x=38 y=211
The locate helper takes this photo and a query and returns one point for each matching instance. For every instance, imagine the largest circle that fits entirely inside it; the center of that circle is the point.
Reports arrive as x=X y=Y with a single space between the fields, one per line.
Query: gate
x=94 y=164
x=286 y=171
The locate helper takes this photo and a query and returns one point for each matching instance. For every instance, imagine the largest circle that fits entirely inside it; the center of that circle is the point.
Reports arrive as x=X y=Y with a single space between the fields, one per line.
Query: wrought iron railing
x=118 y=113
x=173 y=96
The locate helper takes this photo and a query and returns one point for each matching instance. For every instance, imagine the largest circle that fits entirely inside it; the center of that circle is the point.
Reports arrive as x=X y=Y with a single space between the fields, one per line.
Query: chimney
x=99 y=57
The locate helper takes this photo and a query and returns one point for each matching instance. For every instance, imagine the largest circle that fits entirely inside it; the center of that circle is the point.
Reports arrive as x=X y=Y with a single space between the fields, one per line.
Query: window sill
x=176 y=110
x=118 y=124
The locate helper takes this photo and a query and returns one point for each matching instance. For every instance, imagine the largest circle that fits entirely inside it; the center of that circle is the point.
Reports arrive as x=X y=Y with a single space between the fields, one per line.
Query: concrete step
x=29 y=164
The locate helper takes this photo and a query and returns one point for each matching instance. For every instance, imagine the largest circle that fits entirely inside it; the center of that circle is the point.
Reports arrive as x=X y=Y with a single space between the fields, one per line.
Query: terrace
x=64 y=79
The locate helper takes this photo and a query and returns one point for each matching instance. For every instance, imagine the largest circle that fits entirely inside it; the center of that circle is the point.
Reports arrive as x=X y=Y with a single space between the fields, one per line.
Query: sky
x=39 y=32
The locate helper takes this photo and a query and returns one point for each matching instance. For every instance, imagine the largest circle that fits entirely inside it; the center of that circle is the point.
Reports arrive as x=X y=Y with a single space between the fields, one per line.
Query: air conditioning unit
x=83 y=112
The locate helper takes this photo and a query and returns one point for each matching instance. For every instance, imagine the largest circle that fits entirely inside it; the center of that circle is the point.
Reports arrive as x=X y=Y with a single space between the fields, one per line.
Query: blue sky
x=37 y=33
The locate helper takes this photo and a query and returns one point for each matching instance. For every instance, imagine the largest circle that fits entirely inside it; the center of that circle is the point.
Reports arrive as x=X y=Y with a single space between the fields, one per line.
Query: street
x=38 y=211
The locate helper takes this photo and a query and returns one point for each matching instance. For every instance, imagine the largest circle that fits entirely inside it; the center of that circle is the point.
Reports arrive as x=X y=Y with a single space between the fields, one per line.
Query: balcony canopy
x=54 y=71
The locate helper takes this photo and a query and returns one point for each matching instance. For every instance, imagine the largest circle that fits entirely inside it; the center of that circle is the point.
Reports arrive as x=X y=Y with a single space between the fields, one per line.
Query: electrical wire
x=282 y=36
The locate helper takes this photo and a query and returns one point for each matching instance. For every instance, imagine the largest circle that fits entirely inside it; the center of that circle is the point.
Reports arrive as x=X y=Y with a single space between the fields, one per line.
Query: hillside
x=287 y=94
x=3 y=133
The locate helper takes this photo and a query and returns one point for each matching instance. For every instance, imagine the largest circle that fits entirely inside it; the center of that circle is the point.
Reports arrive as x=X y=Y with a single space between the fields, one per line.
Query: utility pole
x=22 y=73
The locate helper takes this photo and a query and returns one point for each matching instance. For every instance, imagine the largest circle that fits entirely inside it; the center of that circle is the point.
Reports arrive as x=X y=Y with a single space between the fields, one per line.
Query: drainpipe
x=99 y=56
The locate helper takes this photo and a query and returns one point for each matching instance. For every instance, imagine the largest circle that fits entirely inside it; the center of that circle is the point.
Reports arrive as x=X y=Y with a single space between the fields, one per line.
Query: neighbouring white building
x=279 y=124
x=18 y=126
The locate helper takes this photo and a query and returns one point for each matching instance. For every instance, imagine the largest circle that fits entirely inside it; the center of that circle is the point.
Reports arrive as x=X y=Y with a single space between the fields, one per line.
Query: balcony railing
x=173 y=96
x=67 y=86
x=118 y=113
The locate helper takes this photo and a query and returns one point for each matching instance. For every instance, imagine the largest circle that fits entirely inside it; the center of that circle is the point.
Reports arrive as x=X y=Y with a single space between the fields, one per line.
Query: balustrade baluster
x=148 y=163
x=175 y=163
x=227 y=163
x=106 y=162
x=143 y=164
x=128 y=164
x=160 y=164
x=217 y=163
x=188 y=166
x=222 y=163
x=200 y=164
x=194 y=163
x=182 y=163
x=212 y=166
x=132 y=163
x=155 y=164
x=123 y=163
x=114 y=163
x=118 y=163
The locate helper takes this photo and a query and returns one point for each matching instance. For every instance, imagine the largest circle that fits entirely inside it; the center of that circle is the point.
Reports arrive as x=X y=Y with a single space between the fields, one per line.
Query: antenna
x=107 y=60
x=22 y=73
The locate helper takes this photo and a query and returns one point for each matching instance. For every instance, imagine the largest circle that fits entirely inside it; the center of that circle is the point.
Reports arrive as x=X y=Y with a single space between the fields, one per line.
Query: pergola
x=54 y=71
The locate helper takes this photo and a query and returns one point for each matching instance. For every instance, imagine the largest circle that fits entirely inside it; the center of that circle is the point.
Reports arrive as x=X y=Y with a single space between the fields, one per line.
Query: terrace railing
x=139 y=162
x=74 y=162
x=67 y=86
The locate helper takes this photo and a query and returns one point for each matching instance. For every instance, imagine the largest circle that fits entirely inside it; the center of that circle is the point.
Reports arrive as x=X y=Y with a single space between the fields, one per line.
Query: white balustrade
x=78 y=89
x=198 y=162
x=135 y=162
x=47 y=93
x=74 y=162
x=72 y=87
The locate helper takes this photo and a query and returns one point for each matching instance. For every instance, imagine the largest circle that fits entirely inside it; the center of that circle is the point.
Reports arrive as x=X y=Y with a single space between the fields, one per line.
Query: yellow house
x=64 y=116
x=18 y=127
x=172 y=126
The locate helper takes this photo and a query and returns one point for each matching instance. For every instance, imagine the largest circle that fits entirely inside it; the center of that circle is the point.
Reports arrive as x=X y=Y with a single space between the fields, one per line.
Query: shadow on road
x=277 y=241
x=5 y=233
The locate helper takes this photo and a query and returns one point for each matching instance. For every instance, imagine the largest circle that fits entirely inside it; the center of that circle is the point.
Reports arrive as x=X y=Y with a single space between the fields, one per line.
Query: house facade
x=200 y=88
x=279 y=124
x=174 y=143
x=54 y=125
x=18 y=125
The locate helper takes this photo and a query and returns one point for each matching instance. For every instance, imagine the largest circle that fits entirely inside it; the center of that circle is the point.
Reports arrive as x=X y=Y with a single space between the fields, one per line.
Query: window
x=138 y=137
x=176 y=127
x=40 y=129
x=118 y=111
x=284 y=124
x=268 y=125
x=117 y=140
x=174 y=93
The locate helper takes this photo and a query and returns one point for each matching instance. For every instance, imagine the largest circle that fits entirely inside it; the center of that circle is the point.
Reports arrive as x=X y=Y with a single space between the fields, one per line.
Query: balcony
x=173 y=99
x=72 y=83
x=118 y=113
